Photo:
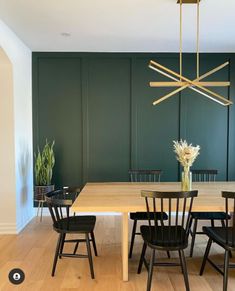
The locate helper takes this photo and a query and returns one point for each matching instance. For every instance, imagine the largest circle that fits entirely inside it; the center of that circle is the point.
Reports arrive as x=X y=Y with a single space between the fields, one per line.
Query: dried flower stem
x=186 y=154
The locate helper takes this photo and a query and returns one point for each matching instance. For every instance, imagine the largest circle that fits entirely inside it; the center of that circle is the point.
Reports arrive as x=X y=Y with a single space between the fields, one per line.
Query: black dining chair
x=142 y=176
x=203 y=176
x=59 y=203
x=173 y=236
x=74 y=190
x=224 y=237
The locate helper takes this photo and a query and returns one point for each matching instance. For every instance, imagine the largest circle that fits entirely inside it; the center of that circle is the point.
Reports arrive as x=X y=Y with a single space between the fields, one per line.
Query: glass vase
x=186 y=180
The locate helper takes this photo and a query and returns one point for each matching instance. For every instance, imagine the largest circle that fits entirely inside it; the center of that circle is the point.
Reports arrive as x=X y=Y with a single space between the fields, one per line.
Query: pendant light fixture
x=178 y=80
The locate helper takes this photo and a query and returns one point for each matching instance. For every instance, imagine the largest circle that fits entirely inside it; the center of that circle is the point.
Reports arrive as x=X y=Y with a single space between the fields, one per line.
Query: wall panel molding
x=85 y=120
x=112 y=91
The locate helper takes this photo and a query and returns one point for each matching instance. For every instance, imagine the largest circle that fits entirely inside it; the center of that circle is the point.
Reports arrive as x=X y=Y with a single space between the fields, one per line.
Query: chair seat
x=144 y=216
x=166 y=237
x=218 y=234
x=76 y=224
x=209 y=215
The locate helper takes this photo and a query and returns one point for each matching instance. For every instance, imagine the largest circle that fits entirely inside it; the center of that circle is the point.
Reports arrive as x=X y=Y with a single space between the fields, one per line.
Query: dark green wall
x=98 y=109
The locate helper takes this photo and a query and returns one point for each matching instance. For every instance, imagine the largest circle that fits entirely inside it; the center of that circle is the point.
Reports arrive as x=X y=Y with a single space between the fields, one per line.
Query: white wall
x=7 y=151
x=17 y=122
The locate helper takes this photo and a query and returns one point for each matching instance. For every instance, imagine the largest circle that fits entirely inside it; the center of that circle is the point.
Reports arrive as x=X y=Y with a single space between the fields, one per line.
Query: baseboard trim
x=47 y=213
x=13 y=228
x=8 y=228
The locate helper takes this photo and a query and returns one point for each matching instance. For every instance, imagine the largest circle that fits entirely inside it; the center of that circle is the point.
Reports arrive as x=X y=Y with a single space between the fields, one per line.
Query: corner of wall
x=20 y=205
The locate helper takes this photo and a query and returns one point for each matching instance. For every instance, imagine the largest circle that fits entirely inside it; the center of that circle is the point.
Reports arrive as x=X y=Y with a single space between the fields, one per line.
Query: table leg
x=125 y=246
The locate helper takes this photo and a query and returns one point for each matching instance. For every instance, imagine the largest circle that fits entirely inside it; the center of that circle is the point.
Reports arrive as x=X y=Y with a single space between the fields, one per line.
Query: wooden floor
x=33 y=251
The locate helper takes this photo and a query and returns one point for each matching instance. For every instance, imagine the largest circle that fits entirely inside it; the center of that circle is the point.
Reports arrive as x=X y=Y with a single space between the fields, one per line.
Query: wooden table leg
x=125 y=246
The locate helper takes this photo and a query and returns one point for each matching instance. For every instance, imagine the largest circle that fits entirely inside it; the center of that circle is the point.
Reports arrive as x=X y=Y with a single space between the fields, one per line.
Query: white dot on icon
x=16 y=276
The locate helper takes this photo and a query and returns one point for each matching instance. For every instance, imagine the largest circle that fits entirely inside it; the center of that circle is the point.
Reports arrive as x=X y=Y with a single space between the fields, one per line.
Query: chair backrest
x=178 y=205
x=58 y=200
x=145 y=175
x=204 y=175
x=72 y=190
x=230 y=239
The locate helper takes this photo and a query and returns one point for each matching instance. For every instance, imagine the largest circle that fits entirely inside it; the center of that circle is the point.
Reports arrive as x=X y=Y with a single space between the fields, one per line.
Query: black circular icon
x=16 y=276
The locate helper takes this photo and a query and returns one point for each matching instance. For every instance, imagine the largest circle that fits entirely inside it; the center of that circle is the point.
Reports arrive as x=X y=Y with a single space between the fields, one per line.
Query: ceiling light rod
x=211 y=97
x=198 y=57
x=183 y=82
x=197 y=36
x=188 y=1
x=180 y=89
x=154 y=64
x=181 y=41
x=189 y=83
x=201 y=92
x=226 y=101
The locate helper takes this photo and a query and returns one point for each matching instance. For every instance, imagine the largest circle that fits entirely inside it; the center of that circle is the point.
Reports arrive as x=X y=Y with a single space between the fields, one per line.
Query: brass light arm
x=181 y=84
x=191 y=83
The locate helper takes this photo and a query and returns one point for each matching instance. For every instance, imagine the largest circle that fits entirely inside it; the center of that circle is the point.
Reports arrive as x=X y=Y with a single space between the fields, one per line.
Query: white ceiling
x=119 y=25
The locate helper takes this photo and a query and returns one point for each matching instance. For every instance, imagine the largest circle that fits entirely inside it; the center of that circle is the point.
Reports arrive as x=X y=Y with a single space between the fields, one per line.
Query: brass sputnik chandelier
x=182 y=82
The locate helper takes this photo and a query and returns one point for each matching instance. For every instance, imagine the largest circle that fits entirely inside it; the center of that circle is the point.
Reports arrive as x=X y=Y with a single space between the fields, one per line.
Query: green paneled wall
x=205 y=122
x=57 y=114
x=107 y=120
x=155 y=127
x=98 y=109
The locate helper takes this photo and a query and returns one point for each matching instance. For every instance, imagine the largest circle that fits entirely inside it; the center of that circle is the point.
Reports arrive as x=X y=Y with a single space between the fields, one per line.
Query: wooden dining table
x=125 y=197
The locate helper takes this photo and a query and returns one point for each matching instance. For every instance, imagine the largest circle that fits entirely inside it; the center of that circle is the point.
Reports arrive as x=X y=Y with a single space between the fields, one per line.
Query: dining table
x=125 y=197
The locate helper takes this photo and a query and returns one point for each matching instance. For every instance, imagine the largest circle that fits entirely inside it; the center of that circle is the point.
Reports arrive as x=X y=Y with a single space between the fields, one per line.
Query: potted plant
x=44 y=163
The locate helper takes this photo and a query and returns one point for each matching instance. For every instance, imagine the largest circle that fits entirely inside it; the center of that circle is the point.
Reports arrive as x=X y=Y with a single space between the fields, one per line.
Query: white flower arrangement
x=186 y=154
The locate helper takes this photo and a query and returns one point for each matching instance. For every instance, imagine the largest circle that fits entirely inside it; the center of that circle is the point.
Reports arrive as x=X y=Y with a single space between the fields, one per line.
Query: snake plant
x=44 y=163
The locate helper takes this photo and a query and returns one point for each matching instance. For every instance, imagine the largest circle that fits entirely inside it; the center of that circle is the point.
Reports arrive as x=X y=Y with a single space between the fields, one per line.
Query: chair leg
x=62 y=244
x=94 y=244
x=41 y=211
x=226 y=264
x=142 y=258
x=193 y=237
x=56 y=254
x=150 y=270
x=132 y=238
x=89 y=256
x=190 y=222
x=76 y=248
x=212 y=223
x=208 y=247
x=223 y=225
x=181 y=264
x=39 y=203
x=184 y=269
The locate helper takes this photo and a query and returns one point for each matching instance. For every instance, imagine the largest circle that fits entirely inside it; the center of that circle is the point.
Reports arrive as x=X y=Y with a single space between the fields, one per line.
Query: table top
x=126 y=196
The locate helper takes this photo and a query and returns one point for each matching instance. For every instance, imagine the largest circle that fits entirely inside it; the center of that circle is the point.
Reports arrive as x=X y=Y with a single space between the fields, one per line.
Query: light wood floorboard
x=33 y=252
